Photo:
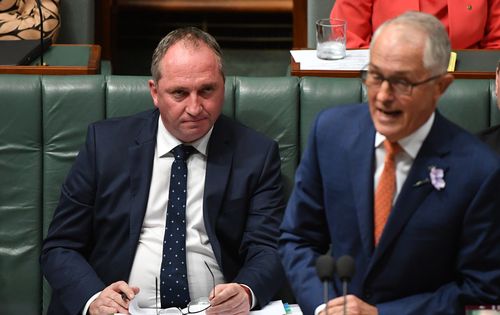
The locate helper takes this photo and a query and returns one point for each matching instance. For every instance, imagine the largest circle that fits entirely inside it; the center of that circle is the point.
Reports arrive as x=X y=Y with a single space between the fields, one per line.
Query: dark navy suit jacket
x=94 y=234
x=439 y=250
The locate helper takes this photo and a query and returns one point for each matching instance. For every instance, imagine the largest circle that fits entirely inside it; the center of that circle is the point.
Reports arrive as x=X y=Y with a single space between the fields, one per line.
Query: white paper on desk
x=354 y=60
x=273 y=308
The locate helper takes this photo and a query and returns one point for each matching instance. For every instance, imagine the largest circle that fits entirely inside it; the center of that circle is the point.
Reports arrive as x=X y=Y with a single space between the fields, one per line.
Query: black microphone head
x=345 y=267
x=325 y=267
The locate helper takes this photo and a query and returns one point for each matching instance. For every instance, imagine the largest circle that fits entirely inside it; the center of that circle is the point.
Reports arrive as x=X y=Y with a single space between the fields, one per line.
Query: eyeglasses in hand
x=195 y=306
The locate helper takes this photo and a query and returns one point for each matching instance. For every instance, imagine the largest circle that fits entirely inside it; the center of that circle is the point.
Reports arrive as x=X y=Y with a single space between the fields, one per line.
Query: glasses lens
x=169 y=311
x=198 y=305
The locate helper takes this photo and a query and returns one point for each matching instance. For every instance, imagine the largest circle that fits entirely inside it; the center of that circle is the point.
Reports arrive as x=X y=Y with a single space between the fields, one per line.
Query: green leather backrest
x=21 y=155
x=43 y=124
x=320 y=93
x=467 y=103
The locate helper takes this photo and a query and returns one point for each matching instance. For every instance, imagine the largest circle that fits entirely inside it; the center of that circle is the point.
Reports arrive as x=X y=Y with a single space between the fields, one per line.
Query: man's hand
x=355 y=306
x=113 y=299
x=229 y=299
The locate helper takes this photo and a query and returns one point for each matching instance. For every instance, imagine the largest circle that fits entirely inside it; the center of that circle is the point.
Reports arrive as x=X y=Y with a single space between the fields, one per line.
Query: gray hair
x=437 y=44
x=191 y=35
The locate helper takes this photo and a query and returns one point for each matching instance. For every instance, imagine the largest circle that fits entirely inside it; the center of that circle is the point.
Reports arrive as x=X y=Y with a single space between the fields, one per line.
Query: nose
x=385 y=92
x=194 y=106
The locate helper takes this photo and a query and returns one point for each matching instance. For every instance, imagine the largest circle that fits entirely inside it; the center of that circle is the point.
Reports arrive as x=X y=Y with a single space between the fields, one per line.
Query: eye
x=401 y=83
x=178 y=94
x=375 y=77
x=207 y=90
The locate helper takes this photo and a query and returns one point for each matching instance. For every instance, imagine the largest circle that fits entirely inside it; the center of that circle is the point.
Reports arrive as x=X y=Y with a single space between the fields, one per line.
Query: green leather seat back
x=317 y=94
x=70 y=104
x=494 y=110
x=467 y=103
x=270 y=106
x=20 y=194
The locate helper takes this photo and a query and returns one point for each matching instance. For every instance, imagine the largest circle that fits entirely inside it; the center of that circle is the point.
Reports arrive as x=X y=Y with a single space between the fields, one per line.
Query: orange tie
x=385 y=189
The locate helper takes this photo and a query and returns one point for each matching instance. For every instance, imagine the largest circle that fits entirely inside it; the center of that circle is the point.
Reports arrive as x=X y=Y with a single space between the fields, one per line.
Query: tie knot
x=182 y=152
x=391 y=148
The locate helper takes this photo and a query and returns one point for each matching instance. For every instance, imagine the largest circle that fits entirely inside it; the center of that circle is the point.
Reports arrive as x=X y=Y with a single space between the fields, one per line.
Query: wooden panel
x=93 y=66
x=211 y=5
x=460 y=72
x=300 y=23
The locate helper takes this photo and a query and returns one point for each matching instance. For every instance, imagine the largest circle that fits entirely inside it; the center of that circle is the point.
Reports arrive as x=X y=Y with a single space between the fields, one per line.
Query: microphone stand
x=41 y=31
x=344 y=293
x=325 y=295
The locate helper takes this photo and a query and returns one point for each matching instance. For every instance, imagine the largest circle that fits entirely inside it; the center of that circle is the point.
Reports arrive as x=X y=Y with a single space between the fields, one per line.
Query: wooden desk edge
x=295 y=71
x=93 y=66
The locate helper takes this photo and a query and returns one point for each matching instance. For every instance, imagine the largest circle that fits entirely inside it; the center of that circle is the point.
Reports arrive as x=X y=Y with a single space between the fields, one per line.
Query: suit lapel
x=361 y=170
x=140 y=155
x=219 y=163
x=416 y=187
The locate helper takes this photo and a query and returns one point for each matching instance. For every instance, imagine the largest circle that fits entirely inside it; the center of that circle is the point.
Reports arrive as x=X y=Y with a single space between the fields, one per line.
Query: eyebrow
x=397 y=73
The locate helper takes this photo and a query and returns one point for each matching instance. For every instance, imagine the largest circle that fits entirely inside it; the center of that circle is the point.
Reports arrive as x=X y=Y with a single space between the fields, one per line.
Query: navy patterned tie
x=174 y=289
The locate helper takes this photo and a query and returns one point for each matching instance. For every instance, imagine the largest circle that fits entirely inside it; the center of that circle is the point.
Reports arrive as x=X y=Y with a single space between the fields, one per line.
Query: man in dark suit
x=109 y=244
x=412 y=197
x=492 y=135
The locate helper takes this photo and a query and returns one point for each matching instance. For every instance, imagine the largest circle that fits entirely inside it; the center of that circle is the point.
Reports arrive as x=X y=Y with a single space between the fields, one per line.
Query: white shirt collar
x=165 y=141
x=411 y=144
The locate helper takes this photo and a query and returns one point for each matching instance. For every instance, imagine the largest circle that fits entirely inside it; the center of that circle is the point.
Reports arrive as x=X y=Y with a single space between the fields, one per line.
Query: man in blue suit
x=106 y=245
x=409 y=195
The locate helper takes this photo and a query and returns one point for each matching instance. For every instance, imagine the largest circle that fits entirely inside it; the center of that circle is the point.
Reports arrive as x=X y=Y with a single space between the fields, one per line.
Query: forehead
x=399 y=49
x=190 y=60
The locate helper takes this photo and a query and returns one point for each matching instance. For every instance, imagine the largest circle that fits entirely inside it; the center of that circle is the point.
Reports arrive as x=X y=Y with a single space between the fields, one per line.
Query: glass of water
x=330 y=38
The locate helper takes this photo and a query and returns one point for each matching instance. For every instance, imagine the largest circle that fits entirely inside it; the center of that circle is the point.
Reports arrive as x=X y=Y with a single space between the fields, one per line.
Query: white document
x=354 y=60
x=273 y=308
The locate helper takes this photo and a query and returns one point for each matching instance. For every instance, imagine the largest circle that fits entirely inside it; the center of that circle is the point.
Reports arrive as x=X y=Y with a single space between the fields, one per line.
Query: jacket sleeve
x=491 y=39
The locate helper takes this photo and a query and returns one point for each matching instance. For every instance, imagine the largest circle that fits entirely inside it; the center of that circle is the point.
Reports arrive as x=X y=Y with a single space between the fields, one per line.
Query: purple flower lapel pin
x=436 y=178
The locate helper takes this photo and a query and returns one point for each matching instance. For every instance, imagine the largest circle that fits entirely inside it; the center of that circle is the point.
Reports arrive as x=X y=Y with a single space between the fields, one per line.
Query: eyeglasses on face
x=401 y=86
x=195 y=306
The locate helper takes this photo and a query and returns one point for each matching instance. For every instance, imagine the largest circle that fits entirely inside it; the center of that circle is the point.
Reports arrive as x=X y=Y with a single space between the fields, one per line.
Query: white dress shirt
x=410 y=146
x=147 y=262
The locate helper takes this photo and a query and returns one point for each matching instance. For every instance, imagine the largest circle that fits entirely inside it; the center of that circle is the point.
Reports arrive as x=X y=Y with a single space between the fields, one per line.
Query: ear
x=442 y=84
x=154 y=92
x=445 y=82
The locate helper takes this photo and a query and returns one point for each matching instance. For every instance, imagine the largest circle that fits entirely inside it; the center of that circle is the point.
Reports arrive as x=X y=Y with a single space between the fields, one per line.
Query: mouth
x=388 y=114
x=194 y=120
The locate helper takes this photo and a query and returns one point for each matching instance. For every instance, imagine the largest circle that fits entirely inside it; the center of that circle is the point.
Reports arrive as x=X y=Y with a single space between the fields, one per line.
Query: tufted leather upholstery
x=43 y=124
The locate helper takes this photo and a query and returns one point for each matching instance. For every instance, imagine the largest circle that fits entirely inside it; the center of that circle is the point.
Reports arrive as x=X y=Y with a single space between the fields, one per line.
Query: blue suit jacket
x=92 y=239
x=439 y=250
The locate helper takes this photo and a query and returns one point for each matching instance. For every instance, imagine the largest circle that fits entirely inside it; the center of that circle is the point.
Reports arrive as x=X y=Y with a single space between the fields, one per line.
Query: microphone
x=345 y=271
x=325 y=268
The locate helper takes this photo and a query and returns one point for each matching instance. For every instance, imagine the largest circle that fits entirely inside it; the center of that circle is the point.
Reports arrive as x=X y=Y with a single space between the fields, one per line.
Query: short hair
x=191 y=35
x=437 y=47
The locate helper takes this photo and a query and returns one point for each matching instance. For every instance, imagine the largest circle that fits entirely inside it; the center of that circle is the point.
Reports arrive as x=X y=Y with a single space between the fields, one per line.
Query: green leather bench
x=43 y=123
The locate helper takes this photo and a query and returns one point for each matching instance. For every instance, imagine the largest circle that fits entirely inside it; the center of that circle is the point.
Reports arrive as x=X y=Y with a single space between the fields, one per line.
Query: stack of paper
x=354 y=60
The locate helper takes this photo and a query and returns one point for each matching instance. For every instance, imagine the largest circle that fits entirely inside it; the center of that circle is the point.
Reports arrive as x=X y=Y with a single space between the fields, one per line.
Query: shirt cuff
x=319 y=309
x=87 y=305
x=253 y=299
